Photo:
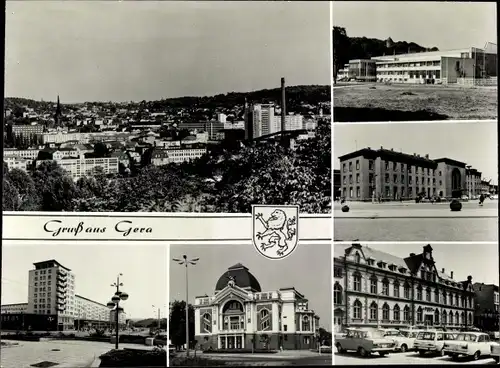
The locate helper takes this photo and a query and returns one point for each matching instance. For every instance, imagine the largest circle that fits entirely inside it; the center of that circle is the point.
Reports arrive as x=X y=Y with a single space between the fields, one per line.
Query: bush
x=239 y=351
x=134 y=358
x=195 y=362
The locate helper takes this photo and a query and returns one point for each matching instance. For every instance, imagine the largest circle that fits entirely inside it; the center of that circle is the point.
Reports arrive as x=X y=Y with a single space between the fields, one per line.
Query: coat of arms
x=275 y=230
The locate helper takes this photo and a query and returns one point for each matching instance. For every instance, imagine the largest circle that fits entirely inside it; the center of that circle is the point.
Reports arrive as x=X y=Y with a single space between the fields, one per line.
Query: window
x=373 y=285
x=420 y=314
x=410 y=181
x=344 y=180
x=357 y=282
x=407 y=291
x=450 y=315
x=396 y=289
x=357 y=178
x=306 y=324
x=396 y=312
x=444 y=318
x=394 y=166
x=387 y=165
x=436 y=296
x=395 y=179
x=357 y=164
x=337 y=294
x=436 y=317
x=402 y=167
x=370 y=165
x=357 y=309
x=386 y=178
x=350 y=179
x=344 y=169
x=445 y=299
x=385 y=287
x=385 y=312
x=373 y=311
x=419 y=292
x=337 y=272
x=350 y=166
x=428 y=294
x=285 y=328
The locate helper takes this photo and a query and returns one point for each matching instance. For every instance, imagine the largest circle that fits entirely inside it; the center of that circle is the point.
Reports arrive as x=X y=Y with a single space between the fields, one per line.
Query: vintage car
x=495 y=352
x=404 y=339
x=432 y=341
x=472 y=344
x=365 y=342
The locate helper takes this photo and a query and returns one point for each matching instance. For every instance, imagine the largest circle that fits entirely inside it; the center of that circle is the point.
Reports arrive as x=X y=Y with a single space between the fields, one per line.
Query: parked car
x=494 y=196
x=365 y=342
x=495 y=352
x=432 y=341
x=471 y=344
x=405 y=339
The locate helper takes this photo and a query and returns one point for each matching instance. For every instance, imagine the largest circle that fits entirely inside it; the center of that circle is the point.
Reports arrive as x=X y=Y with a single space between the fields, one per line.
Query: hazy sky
x=473 y=143
x=138 y=50
x=308 y=269
x=95 y=267
x=446 y=25
x=477 y=260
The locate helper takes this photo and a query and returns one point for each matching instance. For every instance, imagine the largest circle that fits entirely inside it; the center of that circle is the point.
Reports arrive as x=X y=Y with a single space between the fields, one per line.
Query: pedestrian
x=481 y=199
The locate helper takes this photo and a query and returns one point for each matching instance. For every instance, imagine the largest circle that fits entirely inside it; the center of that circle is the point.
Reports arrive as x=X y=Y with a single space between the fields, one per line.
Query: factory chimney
x=283 y=104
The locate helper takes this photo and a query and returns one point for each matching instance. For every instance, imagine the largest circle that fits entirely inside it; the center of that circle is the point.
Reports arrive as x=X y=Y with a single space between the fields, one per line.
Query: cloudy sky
x=144 y=50
x=477 y=260
x=95 y=267
x=446 y=25
x=474 y=143
x=308 y=269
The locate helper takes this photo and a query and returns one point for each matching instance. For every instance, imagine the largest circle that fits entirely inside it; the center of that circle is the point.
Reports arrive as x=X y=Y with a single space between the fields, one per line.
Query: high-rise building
x=259 y=120
x=51 y=291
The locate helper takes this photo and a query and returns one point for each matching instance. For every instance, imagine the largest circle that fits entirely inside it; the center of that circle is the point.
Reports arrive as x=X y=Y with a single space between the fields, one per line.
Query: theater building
x=377 y=289
x=387 y=175
x=239 y=315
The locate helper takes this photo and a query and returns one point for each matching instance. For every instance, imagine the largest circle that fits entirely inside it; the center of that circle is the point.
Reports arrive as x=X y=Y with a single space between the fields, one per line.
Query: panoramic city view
x=424 y=304
x=391 y=66
x=64 y=306
x=406 y=182
x=246 y=309
x=195 y=120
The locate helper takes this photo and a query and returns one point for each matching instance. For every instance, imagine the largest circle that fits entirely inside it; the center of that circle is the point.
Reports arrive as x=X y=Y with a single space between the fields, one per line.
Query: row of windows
x=395 y=179
x=387 y=193
x=406 y=65
x=413 y=168
x=413 y=74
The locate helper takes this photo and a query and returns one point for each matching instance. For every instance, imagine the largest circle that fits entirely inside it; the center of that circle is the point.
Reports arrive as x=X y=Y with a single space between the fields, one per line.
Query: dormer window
x=357 y=258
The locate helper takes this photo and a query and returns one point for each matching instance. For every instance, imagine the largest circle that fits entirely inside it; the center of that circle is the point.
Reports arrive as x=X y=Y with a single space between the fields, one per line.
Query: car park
x=405 y=339
x=432 y=341
x=365 y=342
x=471 y=344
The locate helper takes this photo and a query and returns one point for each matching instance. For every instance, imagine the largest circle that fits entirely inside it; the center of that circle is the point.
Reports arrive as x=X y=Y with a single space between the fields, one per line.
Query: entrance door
x=230 y=342
x=239 y=342
x=428 y=319
x=223 y=342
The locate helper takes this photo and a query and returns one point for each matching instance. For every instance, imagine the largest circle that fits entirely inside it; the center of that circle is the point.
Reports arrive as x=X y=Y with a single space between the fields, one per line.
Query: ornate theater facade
x=241 y=316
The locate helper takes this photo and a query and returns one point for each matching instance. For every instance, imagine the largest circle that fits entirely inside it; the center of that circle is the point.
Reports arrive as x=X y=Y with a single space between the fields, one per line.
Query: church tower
x=57 y=115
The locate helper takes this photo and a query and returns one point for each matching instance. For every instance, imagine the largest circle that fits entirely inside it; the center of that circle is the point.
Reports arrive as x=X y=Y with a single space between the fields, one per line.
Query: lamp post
x=159 y=323
x=114 y=304
x=185 y=262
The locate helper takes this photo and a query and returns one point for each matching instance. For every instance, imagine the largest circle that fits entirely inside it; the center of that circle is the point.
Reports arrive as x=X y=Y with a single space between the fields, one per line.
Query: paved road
x=403 y=358
x=416 y=222
x=68 y=354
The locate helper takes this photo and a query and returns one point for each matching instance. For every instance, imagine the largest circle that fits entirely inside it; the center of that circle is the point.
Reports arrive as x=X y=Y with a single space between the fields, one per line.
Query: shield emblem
x=275 y=230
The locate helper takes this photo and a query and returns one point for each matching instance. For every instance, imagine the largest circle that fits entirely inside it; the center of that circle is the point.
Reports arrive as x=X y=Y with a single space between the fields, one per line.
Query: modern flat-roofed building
x=239 y=315
x=79 y=167
x=14 y=308
x=23 y=153
x=20 y=163
x=363 y=70
x=179 y=155
x=376 y=289
x=27 y=130
x=384 y=174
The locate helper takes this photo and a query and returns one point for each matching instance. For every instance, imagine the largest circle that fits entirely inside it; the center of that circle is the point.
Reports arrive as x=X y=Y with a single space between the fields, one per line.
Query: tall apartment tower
x=259 y=120
x=51 y=291
x=283 y=105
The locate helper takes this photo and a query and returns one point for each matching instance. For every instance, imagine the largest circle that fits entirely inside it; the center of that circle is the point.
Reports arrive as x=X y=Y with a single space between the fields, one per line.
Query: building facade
x=80 y=167
x=384 y=174
x=27 y=130
x=473 y=182
x=377 y=289
x=14 y=308
x=19 y=163
x=292 y=122
x=487 y=307
x=240 y=316
x=179 y=155
x=362 y=70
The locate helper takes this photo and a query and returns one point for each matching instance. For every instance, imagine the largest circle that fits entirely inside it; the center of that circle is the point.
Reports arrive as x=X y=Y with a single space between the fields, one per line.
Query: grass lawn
x=446 y=102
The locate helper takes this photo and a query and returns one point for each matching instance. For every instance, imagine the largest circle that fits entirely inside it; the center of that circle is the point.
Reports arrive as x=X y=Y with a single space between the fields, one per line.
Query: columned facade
x=240 y=316
x=376 y=289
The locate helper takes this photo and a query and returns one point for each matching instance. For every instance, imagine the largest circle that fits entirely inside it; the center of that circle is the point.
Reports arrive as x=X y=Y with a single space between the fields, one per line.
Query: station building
x=369 y=174
x=376 y=289
x=239 y=315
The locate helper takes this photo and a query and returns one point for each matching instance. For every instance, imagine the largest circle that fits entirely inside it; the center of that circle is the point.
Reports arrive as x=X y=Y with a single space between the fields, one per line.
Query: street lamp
x=185 y=262
x=159 y=323
x=114 y=304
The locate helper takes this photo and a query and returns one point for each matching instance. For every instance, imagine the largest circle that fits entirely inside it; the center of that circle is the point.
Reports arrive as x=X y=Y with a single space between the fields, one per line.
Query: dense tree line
x=225 y=180
x=347 y=48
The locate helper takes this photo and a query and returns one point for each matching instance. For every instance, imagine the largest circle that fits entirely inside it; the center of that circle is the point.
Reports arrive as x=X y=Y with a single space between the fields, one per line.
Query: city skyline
x=315 y=260
x=464 y=259
x=382 y=20
x=95 y=268
x=81 y=52
x=474 y=143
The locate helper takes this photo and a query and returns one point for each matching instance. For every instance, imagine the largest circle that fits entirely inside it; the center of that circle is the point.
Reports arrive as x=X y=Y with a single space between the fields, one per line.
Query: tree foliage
x=177 y=323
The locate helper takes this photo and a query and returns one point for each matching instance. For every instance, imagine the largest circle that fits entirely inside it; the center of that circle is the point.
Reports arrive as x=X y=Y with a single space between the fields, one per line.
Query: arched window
x=306 y=324
x=337 y=294
x=385 y=286
x=406 y=314
x=470 y=319
x=395 y=287
x=450 y=315
x=374 y=311
x=462 y=318
x=396 y=312
x=436 y=295
x=357 y=308
x=385 y=312
x=264 y=313
x=407 y=290
x=356 y=281
x=419 y=292
x=444 y=319
x=457 y=318
x=357 y=257
x=436 y=316
x=428 y=294
x=445 y=298
x=420 y=314
x=373 y=285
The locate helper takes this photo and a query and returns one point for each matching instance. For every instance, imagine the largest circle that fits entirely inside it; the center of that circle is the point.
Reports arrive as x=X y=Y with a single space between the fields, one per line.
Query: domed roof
x=241 y=276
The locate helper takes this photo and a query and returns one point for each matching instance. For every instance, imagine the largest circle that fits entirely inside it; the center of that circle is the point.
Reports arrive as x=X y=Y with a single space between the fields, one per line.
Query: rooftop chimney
x=451 y=274
x=283 y=104
x=427 y=156
x=442 y=271
x=412 y=254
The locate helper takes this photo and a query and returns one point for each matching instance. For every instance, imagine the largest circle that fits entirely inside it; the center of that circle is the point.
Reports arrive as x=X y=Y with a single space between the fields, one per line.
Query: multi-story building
x=362 y=70
x=90 y=313
x=292 y=122
x=14 y=308
x=179 y=155
x=259 y=120
x=27 y=130
x=239 y=315
x=79 y=167
x=376 y=289
x=51 y=291
x=211 y=127
x=31 y=154
x=384 y=174
x=473 y=182
x=20 y=163
x=487 y=306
